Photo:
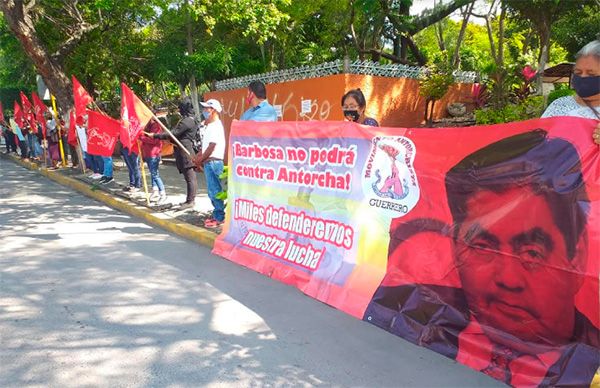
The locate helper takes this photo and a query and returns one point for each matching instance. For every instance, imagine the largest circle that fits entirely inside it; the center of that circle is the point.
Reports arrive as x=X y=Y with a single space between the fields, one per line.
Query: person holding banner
x=586 y=82
x=211 y=159
x=354 y=105
x=519 y=237
x=259 y=108
x=184 y=132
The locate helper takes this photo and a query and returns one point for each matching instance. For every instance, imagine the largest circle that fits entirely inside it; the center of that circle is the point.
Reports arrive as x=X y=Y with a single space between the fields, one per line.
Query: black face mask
x=353 y=114
x=586 y=86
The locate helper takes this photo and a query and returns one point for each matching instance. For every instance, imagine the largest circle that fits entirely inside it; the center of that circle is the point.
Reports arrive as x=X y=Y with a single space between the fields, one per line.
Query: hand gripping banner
x=480 y=243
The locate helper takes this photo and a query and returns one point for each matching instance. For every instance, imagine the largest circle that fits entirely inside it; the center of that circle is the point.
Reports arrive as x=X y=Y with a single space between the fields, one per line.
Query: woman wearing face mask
x=586 y=82
x=184 y=131
x=353 y=105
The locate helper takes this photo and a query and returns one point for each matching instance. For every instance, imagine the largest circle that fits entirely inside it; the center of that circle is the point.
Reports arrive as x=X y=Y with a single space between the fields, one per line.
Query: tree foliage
x=165 y=48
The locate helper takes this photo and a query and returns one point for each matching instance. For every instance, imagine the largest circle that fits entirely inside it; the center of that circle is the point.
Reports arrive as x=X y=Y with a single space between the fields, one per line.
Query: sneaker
x=211 y=224
x=154 y=196
x=96 y=176
x=162 y=199
x=128 y=188
x=106 y=180
x=186 y=205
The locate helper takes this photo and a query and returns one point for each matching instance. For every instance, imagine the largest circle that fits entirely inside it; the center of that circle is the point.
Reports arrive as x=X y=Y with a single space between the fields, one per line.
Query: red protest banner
x=28 y=112
x=2 y=119
x=40 y=108
x=486 y=251
x=80 y=96
x=18 y=115
x=134 y=116
x=102 y=133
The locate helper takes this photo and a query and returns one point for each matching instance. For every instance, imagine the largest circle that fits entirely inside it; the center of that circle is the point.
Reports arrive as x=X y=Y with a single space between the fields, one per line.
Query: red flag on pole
x=28 y=111
x=40 y=108
x=72 y=136
x=18 y=113
x=102 y=133
x=134 y=116
x=81 y=97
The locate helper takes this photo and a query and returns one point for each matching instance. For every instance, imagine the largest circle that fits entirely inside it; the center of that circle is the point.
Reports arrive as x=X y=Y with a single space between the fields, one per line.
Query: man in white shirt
x=211 y=159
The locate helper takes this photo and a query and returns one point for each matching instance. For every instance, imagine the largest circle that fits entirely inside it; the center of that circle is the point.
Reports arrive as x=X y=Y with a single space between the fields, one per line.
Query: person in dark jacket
x=184 y=131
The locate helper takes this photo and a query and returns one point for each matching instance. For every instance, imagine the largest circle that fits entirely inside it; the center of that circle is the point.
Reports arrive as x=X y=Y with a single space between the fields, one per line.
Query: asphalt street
x=93 y=297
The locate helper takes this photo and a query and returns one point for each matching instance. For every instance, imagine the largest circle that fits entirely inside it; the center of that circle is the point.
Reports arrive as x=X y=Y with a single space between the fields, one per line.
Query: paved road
x=93 y=297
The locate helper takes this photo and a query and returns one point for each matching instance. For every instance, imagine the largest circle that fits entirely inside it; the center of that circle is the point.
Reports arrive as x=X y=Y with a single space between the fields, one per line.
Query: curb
x=182 y=229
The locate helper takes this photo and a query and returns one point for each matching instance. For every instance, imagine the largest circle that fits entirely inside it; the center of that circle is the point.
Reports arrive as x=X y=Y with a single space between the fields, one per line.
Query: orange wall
x=394 y=102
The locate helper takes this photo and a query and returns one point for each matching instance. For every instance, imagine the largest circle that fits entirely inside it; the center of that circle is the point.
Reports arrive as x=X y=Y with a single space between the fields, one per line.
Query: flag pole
x=143 y=173
x=79 y=149
x=60 y=143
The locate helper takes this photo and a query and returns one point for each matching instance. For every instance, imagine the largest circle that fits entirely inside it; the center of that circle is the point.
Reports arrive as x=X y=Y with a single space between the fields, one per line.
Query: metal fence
x=337 y=67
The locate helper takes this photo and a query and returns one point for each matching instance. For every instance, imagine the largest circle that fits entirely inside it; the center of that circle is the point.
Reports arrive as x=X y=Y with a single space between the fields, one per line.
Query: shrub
x=529 y=108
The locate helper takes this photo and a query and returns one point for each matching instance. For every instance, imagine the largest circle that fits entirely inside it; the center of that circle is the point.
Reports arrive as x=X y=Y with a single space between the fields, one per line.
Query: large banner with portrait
x=480 y=243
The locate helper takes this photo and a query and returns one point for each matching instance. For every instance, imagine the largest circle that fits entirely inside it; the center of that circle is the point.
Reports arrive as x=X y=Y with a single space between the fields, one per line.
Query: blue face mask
x=206 y=114
x=586 y=86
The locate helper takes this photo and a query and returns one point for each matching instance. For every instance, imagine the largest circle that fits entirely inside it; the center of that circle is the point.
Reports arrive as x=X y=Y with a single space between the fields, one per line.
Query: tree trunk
x=190 y=49
x=53 y=74
x=461 y=35
x=543 y=56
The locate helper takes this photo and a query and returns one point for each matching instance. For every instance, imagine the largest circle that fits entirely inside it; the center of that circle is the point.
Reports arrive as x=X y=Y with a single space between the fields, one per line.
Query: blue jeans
x=33 y=144
x=108 y=166
x=95 y=162
x=212 y=170
x=153 y=163
x=132 y=161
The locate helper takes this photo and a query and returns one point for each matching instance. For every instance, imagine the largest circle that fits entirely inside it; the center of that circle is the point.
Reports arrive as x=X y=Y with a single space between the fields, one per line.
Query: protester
x=33 y=145
x=586 y=82
x=211 y=159
x=93 y=162
x=132 y=161
x=185 y=132
x=52 y=139
x=9 y=139
x=107 y=170
x=23 y=143
x=151 y=148
x=260 y=109
x=354 y=105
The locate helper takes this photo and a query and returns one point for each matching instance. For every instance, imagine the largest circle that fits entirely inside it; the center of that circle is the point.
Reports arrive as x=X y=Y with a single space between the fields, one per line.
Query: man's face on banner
x=513 y=265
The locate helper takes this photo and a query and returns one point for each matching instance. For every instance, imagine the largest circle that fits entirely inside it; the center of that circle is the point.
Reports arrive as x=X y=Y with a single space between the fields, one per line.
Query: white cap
x=212 y=103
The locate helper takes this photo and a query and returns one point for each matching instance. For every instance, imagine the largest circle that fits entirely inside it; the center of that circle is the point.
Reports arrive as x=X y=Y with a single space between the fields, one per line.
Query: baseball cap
x=212 y=103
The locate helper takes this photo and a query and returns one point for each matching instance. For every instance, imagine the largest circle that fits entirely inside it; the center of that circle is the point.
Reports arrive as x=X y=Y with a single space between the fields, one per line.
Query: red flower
x=529 y=73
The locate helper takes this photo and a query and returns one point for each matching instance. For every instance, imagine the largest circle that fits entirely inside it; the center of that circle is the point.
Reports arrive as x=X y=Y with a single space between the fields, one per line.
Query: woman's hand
x=596 y=134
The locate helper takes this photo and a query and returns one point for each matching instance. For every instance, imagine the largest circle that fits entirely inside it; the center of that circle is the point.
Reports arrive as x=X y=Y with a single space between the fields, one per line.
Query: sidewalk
x=187 y=223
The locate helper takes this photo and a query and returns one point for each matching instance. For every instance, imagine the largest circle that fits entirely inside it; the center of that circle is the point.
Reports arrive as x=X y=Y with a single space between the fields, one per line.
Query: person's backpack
x=197 y=141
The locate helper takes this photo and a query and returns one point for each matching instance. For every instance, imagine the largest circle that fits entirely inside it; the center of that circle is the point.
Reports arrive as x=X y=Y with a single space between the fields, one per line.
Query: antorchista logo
x=389 y=180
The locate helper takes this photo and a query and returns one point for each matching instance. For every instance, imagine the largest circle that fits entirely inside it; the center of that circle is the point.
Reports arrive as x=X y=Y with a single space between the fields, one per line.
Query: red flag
x=2 y=119
x=28 y=111
x=102 y=133
x=72 y=136
x=134 y=116
x=18 y=113
x=81 y=97
x=40 y=108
